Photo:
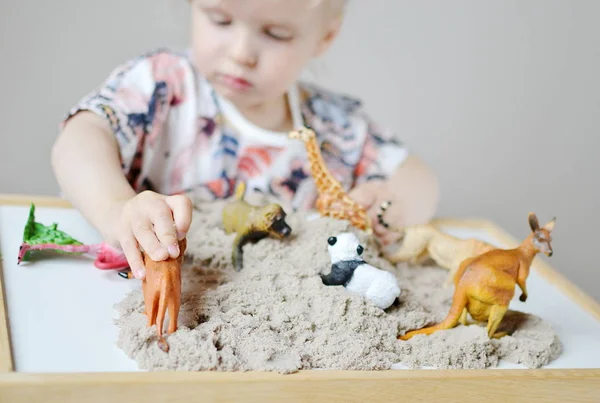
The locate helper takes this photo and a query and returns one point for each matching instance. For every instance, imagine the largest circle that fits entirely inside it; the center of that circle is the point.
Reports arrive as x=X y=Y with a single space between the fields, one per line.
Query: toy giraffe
x=332 y=201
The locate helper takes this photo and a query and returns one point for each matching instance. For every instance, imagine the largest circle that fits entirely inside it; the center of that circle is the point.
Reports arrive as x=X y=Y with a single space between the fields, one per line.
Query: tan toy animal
x=252 y=223
x=422 y=242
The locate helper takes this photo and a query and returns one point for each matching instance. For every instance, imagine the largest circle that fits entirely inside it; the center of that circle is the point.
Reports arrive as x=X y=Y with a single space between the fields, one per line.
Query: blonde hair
x=334 y=7
x=338 y=6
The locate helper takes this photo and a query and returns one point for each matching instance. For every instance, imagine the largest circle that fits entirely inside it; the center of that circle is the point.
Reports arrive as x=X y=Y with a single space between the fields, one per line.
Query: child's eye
x=218 y=18
x=278 y=33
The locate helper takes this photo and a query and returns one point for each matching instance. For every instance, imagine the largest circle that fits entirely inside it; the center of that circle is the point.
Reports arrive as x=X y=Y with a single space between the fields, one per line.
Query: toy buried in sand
x=39 y=238
x=421 y=242
x=332 y=200
x=162 y=290
x=252 y=223
x=485 y=284
x=350 y=270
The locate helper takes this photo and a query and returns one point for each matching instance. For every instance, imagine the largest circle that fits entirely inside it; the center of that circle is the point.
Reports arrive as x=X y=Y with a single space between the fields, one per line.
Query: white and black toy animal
x=350 y=270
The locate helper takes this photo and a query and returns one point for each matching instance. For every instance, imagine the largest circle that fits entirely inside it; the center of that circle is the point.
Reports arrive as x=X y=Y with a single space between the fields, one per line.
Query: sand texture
x=276 y=314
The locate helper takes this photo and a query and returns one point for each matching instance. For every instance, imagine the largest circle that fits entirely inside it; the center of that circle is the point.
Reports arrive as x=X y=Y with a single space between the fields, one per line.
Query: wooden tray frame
x=523 y=385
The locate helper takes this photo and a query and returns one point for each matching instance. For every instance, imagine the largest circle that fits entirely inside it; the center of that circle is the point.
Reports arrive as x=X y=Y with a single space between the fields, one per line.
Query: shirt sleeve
x=135 y=100
x=382 y=152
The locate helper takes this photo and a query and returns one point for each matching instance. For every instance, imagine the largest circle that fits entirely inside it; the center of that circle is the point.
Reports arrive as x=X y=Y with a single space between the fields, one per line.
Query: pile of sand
x=276 y=314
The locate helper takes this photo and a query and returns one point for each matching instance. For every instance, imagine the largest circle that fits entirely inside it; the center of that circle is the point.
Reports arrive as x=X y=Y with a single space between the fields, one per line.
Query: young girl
x=165 y=124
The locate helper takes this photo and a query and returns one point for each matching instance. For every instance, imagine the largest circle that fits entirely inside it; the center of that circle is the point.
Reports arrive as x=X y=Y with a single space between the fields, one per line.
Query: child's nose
x=243 y=50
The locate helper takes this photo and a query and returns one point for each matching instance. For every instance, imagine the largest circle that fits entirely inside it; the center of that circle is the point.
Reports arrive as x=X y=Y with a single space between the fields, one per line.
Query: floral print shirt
x=174 y=136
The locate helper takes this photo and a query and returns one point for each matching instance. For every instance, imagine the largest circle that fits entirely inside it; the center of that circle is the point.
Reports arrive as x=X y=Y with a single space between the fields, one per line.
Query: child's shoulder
x=159 y=64
x=159 y=75
x=350 y=137
x=318 y=97
x=164 y=56
x=333 y=111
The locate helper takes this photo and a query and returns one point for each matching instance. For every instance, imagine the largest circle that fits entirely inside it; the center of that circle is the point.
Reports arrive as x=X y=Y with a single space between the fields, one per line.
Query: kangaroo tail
x=458 y=304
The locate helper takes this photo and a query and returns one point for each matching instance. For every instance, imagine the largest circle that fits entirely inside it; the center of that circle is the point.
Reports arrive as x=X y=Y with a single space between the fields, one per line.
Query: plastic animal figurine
x=162 y=290
x=332 y=201
x=39 y=238
x=252 y=223
x=485 y=284
x=350 y=270
x=422 y=242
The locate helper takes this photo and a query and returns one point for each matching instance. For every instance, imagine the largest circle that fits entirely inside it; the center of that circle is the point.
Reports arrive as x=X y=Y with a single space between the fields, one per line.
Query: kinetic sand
x=276 y=315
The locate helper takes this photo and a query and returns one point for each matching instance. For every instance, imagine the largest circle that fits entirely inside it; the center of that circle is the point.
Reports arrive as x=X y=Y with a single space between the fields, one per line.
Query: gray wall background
x=501 y=97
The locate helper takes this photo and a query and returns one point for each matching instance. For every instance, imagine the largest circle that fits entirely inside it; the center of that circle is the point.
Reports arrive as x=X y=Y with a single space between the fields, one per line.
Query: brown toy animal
x=252 y=223
x=422 y=242
x=162 y=290
x=485 y=284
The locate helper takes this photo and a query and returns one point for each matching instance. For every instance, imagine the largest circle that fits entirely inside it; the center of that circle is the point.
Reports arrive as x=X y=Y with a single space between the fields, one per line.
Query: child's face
x=253 y=50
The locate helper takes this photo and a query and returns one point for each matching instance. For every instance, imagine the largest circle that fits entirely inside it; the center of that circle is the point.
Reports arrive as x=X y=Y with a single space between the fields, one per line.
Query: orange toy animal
x=333 y=201
x=162 y=291
x=485 y=284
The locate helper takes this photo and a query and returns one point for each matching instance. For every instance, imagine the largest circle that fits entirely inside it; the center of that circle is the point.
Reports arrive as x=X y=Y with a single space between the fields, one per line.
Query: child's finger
x=161 y=218
x=386 y=231
x=182 y=207
x=143 y=231
x=379 y=230
x=391 y=238
x=133 y=255
x=394 y=214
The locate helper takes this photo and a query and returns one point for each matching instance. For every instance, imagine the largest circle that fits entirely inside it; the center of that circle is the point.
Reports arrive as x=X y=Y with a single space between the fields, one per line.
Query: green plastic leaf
x=36 y=233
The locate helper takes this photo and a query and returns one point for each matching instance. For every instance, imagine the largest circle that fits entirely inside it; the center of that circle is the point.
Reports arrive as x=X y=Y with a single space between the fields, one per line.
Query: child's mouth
x=234 y=82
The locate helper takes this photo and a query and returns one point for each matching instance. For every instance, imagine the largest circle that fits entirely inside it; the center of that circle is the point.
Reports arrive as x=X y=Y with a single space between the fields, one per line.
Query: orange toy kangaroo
x=485 y=284
x=162 y=291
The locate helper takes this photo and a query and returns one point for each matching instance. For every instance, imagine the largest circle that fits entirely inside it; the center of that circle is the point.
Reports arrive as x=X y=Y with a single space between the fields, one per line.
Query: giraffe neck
x=323 y=178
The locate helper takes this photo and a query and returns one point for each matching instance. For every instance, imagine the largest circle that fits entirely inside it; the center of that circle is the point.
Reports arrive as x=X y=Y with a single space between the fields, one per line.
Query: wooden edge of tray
x=572 y=385
x=38 y=200
x=6 y=361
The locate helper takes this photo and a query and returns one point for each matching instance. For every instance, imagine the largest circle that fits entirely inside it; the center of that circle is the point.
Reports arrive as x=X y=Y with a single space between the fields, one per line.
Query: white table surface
x=53 y=304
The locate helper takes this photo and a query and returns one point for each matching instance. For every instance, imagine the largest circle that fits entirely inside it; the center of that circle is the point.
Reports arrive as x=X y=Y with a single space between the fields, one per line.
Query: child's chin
x=240 y=98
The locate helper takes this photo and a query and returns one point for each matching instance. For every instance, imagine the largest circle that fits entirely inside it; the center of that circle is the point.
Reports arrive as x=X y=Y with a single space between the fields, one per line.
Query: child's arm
x=388 y=172
x=86 y=163
x=98 y=149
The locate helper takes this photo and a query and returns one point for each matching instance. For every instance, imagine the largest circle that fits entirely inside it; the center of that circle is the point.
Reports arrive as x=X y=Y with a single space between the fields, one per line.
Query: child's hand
x=371 y=195
x=154 y=222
